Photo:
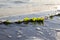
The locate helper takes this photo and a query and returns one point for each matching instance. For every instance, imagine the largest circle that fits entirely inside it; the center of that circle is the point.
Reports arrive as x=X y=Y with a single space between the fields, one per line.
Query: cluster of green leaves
x=26 y=20
x=33 y=20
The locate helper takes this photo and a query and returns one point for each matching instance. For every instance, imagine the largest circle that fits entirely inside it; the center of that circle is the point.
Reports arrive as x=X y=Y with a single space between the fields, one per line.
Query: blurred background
x=14 y=7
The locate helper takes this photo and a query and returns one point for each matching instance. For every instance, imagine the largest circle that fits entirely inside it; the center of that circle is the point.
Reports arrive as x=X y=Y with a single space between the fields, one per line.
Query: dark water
x=30 y=31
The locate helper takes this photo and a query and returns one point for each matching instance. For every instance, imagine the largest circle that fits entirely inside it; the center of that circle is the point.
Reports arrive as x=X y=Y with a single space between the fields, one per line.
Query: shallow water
x=30 y=31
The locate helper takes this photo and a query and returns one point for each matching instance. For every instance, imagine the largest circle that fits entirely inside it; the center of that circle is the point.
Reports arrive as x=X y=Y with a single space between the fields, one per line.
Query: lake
x=30 y=31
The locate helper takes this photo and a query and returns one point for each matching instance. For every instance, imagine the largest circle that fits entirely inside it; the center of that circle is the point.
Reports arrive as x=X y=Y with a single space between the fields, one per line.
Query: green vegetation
x=37 y=20
x=19 y=22
x=51 y=17
x=6 y=22
x=58 y=14
x=26 y=20
x=40 y=20
x=34 y=19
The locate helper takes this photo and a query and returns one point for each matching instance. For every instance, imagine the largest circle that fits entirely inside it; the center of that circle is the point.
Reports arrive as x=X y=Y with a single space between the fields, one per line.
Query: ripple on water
x=29 y=31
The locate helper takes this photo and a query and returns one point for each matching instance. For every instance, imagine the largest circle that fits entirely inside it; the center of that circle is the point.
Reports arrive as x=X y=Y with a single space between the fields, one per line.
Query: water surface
x=30 y=31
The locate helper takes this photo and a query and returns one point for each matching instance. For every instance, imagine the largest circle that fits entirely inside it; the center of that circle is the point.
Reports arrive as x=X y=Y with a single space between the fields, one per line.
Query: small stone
x=40 y=32
x=19 y=31
x=9 y=36
x=19 y=36
x=38 y=28
x=33 y=37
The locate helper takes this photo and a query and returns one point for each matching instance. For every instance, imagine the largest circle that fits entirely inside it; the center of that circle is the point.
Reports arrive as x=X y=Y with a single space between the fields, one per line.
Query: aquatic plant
x=51 y=17
x=40 y=20
x=6 y=22
x=19 y=22
x=57 y=15
x=34 y=19
x=38 y=28
x=26 y=20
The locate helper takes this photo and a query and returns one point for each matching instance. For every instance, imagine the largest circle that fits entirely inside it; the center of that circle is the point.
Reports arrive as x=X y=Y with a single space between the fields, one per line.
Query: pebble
x=9 y=36
x=19 y=31
x=19 y=36
x=40 y=32
x=33 y=37
x=38 y=28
